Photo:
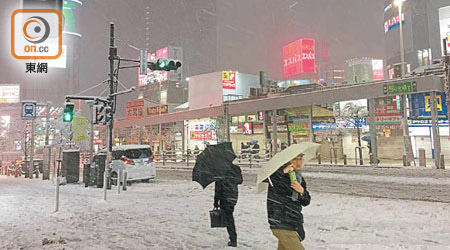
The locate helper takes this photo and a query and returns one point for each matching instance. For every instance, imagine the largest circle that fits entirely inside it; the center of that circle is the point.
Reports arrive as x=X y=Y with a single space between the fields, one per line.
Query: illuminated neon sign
x=299 y=57
x=393 y=23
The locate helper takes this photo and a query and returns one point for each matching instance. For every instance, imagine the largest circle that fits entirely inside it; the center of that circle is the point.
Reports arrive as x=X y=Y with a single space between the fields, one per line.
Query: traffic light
x=108 y=114
x=68 y=111
x=98 y=115
x=165 y=64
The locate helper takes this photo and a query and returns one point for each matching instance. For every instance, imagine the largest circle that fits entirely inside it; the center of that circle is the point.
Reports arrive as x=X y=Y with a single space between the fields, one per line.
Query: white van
x=137 y=160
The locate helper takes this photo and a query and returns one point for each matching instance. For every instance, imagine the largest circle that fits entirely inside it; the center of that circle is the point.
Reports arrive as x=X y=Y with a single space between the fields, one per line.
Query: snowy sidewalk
x=174 y=215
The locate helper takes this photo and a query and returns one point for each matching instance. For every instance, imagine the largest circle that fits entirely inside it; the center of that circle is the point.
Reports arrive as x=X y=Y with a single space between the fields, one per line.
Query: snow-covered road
x=174 y=215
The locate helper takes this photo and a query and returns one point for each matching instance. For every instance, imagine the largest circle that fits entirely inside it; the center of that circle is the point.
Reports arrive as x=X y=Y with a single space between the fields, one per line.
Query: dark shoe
x=232 y=244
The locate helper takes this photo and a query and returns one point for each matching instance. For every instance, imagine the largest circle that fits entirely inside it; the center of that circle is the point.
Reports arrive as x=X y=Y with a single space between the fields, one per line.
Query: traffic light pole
x=110 y=101
x=446 y=60
x=31 y=166
x=111 y=98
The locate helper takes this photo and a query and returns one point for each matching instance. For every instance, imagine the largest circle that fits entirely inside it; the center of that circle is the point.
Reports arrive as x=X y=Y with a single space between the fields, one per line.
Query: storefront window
x=235 y=120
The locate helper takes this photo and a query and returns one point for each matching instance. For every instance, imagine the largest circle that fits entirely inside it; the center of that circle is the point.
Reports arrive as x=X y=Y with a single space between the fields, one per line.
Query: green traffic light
x=67 y=117
x=162 y=63
x=68 y=112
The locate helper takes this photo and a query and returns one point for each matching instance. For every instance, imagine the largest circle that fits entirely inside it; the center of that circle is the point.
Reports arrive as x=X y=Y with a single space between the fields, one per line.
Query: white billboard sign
x=9 y=93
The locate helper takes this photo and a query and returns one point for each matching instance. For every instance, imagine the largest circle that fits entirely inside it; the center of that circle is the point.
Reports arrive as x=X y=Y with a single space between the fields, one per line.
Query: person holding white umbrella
x=287 y=193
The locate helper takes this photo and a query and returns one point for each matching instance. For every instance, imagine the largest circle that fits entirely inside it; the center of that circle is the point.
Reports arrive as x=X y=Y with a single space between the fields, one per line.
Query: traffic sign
x=79 y=129
x=28 y=110
x=399 y=88
x=41 y=111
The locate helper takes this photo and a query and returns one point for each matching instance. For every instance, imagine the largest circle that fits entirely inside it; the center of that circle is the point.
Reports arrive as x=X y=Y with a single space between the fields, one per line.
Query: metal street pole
x=358 y=131
x=373 y=133
x=446 y=60
x=91 y=135
x=46 y=174
x=31 y=166
x=311 y=132
x=274 y=129
x=227 y=121
x=435 y=131
x=407 y=139
x=402 y=52
x=160 y=125
x=25 y=148
x=112 y=54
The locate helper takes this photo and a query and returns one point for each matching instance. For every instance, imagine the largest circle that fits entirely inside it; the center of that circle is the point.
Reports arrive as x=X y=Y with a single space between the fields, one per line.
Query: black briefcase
x=217 y=218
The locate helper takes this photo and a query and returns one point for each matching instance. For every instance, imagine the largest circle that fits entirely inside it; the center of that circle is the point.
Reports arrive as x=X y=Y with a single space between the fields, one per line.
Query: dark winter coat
x=226 y=191
x=282 y=211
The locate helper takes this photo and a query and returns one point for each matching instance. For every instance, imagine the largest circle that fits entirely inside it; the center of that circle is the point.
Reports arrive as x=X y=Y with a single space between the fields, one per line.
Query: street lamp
x=399 y=4
x=407 y=139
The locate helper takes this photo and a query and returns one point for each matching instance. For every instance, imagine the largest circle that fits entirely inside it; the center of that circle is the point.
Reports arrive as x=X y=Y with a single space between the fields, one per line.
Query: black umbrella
x=215 y=163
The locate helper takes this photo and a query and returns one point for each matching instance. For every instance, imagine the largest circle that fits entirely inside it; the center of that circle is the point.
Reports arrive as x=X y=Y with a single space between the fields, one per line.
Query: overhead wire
x=91 y=88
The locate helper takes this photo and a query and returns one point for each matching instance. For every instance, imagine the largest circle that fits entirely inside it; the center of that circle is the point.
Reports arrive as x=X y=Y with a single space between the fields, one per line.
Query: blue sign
x=421 y=104
x=426 y=122
x=322 y=126
x=28 y=110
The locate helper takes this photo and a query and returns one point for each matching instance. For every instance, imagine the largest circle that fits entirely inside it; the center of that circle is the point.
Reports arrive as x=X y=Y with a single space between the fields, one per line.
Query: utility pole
x=160 y=125
x=435 y=131
x=446 y=60
x=112 y=103
x=274 y=129
x=91 y=134
x=311 y=132
x=227 y=121
x=373 y=133
x=406 y=137
x=26 y=142
x=358 y=131
x=46 y=174
x=31 y=166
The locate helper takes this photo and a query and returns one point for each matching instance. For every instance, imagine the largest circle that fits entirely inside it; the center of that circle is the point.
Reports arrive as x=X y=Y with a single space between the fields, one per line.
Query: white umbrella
x=307 y=148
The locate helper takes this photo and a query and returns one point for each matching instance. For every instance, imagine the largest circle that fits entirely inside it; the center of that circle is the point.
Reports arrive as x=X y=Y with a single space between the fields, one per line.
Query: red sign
x=378 y=70
x=247 y=128
x=387 y=106
x=299 y=57
x=229 y=79
x=260 y=115
x=308 y=56
x=135 y=109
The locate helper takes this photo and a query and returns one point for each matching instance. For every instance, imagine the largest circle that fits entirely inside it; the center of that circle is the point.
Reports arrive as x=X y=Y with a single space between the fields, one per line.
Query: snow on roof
x=124 y=147
x=183 y=106
x=71 y=150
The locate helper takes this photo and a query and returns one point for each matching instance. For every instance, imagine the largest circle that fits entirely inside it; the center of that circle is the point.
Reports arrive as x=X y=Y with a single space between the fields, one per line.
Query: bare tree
x=354 y=114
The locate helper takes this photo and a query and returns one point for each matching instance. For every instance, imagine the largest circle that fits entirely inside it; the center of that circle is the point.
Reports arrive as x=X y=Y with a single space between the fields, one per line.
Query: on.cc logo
x=36 y=29
x=36 y=34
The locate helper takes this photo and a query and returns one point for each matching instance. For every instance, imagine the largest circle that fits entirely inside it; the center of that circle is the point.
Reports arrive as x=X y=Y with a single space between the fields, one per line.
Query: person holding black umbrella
x=215 y=164
x=225 y=197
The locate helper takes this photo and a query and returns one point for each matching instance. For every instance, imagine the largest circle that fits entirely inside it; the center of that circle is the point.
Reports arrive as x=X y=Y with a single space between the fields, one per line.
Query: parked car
x=137 y=160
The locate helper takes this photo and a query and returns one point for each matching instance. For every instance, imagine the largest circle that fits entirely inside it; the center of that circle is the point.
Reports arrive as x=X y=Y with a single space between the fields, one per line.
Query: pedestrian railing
x=188 y=157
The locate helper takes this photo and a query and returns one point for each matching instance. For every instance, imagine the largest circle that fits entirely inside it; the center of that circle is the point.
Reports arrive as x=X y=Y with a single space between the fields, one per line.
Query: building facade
x=421 y=33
